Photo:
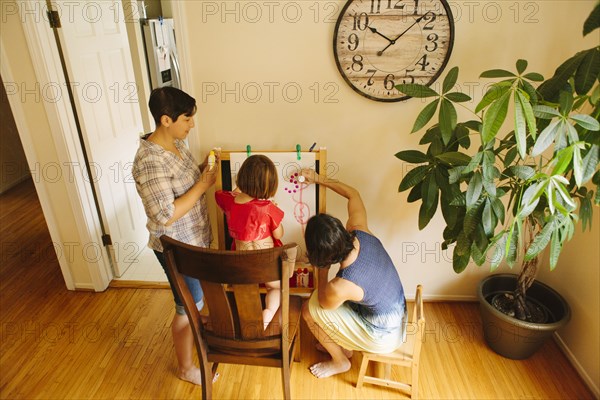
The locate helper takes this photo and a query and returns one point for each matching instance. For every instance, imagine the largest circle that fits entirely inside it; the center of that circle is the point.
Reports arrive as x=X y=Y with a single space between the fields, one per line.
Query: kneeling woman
x=363 y=307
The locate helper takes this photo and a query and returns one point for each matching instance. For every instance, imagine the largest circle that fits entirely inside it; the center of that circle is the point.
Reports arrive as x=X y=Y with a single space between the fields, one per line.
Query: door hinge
x=106 y=240
x=53 y=19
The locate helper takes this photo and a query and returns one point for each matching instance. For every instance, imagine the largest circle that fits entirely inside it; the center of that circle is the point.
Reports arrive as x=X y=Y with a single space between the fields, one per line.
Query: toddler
x=254 y=221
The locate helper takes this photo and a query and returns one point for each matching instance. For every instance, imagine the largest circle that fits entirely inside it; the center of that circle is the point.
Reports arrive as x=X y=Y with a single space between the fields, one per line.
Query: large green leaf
x=457 y=97
x=551 y=87
x=555 y=249
x=520 y=127
x=429 y=194
x=534 y=76
x=496 y=91
x=588 y=71
x=563 y=159
x=498 y=208
x=590 y=163
x=460 y=262
x=585 y=213
x=521 y=66
x=540 y=241
x=413 y=177
x=487 y=219
x=586 y=121
x=499 y=251
x=474 y=189
x=473 y=217
x=523 y=172
x=455 y=174
x=494 y=118
x=593 y=20
x=545 y=112
x=447 y=120
x=415 y=90
x=577 y=165
x=546 y=138
x=454 y=158
x=425 y=115
x=450 y=79
x=412 y=156
x=415 y=193
x=497 y=73
x=528 y=111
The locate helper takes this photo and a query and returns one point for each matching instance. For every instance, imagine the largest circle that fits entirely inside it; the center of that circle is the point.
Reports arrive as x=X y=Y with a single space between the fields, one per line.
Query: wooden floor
x=57 y=344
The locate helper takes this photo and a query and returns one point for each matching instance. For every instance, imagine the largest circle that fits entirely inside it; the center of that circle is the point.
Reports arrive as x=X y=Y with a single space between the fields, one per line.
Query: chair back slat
x=249 y=306
x=222 y=314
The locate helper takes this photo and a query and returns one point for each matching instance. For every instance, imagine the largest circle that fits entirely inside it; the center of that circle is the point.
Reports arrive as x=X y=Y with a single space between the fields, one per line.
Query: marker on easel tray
x=211 y=160
x=312 y=147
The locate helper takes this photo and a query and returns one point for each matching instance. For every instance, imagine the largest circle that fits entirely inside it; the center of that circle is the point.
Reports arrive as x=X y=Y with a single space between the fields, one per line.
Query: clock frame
x=378 y=44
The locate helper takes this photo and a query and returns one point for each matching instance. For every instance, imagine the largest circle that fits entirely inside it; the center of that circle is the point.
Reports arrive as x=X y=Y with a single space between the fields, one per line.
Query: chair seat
x=398 y=356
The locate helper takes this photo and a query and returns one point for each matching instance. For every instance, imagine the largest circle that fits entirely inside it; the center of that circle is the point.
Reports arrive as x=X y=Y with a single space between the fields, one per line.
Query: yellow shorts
x=350 y=330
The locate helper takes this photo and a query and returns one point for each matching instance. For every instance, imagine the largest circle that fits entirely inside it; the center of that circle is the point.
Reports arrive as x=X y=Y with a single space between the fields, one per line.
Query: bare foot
x=194 y=376
x=328 y=368
x=347 y=353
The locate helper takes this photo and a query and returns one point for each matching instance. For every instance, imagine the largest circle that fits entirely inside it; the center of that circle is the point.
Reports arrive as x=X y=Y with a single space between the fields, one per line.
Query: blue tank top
x=375 y=273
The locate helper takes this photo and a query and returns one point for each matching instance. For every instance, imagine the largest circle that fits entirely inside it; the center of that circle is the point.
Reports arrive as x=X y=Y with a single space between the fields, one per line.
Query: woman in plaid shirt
x=172 y=187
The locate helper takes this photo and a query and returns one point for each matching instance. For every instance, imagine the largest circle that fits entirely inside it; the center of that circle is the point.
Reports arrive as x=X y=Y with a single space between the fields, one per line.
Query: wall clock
x=382 y=43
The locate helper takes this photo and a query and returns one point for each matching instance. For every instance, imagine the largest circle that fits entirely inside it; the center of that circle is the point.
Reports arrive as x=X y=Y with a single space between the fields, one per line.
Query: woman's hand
x=310 y=175
x=204 y=164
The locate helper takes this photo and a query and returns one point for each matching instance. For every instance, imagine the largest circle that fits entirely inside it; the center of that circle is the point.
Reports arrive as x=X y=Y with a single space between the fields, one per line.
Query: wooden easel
x=224 y=183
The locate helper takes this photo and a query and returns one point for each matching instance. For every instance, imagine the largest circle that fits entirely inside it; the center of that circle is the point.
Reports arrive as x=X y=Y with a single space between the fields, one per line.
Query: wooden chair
x=235 y=332
x=406 y=356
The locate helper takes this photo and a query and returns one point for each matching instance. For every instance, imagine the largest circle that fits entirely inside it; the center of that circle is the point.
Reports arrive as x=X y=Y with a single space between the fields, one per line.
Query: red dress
x=254 y=220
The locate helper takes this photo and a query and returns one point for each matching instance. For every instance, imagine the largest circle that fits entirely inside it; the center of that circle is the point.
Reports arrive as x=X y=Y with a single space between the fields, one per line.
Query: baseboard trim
x=138 y=284
x=578 y=367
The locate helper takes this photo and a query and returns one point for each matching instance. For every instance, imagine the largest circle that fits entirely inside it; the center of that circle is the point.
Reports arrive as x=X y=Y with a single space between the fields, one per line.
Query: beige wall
x=249 y=60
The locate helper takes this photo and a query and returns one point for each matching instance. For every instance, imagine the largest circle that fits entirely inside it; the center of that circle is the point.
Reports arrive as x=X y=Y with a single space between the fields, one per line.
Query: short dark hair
x=258 y=177
x=327 y=240
x=171 y=102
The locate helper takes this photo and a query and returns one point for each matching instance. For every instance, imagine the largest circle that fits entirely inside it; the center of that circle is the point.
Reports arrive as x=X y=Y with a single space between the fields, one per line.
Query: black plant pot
x=510 y=337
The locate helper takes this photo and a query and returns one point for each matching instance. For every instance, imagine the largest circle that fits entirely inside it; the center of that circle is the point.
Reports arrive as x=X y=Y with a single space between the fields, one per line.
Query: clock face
x=382 y=43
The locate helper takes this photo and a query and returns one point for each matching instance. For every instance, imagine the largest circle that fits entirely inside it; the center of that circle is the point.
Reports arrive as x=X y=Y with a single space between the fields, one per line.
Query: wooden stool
x=406 y=356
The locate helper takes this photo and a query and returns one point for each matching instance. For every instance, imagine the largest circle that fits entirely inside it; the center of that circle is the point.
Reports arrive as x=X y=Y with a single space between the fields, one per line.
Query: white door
x=98 y=60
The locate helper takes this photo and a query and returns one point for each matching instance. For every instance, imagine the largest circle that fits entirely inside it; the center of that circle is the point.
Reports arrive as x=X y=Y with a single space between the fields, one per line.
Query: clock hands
x=380 y=34
x=391 y=42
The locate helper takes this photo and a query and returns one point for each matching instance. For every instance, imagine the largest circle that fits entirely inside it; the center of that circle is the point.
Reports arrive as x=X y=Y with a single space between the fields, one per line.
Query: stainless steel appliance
x=161 y=52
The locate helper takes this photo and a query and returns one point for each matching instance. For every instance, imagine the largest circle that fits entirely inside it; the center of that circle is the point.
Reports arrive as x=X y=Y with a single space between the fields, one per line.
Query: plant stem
x=526 y=278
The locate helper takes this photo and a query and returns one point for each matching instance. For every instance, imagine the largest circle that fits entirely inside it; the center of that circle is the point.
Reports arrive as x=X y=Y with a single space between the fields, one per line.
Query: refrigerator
x=161 y=52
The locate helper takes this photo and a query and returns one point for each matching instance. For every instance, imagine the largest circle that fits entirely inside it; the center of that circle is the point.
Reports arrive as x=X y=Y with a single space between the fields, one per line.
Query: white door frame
x=45 y=57
x=48 y=69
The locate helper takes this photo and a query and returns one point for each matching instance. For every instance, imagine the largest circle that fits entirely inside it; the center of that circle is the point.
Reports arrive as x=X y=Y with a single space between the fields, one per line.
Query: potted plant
x=520 y=190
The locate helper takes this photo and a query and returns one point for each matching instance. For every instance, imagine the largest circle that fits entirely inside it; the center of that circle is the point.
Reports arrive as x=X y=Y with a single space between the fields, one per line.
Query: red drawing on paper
x=295 y=189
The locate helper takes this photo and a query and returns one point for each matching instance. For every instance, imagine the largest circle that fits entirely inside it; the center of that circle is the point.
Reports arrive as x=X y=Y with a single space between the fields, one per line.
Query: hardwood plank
x=117 y=344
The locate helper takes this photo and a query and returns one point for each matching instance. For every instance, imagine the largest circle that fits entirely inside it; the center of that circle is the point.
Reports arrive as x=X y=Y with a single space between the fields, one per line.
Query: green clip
x=298 y=152
x=248 y=150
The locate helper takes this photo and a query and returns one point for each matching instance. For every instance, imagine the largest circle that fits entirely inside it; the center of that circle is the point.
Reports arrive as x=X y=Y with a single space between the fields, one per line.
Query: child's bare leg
x=339 y=363
x=272 y=301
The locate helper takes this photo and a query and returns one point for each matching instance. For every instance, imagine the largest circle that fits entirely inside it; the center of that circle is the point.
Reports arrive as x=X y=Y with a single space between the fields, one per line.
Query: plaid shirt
x=161 y=177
